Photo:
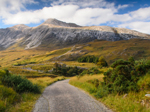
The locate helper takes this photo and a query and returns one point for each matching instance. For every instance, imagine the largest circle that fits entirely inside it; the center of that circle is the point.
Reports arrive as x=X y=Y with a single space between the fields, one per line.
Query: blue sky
x=132 y=14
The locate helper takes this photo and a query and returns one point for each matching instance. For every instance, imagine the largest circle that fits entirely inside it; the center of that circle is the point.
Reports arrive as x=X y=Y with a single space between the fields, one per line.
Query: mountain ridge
x=53 y=32
x=59 y=23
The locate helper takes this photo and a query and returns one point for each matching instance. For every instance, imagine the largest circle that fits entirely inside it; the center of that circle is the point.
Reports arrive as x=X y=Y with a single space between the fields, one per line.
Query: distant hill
x=111 y=50
x=57 y=34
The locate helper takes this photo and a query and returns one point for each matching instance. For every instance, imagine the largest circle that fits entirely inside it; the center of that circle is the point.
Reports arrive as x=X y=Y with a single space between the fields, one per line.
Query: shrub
x=102 y=62
x=19 y=84
x=141 y=61
x=66 y=71
x=90 y=71
x=124 y=76
x=95 y=82
x=2 y=106
x=102 y=91
x=120 y=62
x=144 y=82
x=89 y=59
x=9 y=94
x=131 y=60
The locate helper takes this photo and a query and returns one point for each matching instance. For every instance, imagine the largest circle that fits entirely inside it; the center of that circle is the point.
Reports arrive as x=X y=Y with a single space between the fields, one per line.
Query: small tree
x=131 y=60
x=102 y=62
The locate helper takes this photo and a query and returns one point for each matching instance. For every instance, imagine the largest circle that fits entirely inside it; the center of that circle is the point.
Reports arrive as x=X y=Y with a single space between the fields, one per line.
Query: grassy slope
x=110 y=50
x=120 y=49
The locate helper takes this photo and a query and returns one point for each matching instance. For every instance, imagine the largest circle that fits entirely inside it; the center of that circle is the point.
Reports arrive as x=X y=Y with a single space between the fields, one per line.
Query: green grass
x=11 y=101
x=110 y=50
x=28 y=73
x=131 y=103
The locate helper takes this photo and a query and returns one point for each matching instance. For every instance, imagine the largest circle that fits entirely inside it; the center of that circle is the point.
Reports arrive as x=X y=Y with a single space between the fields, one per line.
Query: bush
x=66 y=71
x=95 y=82
x=102 y=62
x=120 y=62
x=102 y=91
x=141 y=61
x=144 y=82
x=89 y=59
x=90 y=71
x=9 y=94
x=19 y=84
x=2 y=106
x=124 y=76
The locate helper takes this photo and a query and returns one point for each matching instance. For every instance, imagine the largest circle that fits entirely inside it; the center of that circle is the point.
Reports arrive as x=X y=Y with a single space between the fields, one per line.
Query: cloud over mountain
x=82 y=12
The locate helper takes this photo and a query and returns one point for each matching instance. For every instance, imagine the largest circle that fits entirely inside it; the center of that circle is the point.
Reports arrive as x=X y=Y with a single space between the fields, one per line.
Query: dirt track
x=63 y=97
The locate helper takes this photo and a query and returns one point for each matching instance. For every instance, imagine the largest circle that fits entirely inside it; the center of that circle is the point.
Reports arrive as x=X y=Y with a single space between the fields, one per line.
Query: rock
x=125 y=96
x=57 y=33
x=142 y=102
x=147 y=95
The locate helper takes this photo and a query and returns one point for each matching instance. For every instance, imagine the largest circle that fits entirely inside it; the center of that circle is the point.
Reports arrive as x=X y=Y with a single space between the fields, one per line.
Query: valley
x=35 y=64
x=42 y=55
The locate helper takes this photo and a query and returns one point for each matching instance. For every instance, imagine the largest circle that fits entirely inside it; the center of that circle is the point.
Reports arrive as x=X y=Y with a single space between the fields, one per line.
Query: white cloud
x=82 y=12
x=85 y=3
x=141 y=14
x=60 y=12
x=138 y=26
x=67 y=13
x=138 y=20
x=8 y=7
x=123 y=6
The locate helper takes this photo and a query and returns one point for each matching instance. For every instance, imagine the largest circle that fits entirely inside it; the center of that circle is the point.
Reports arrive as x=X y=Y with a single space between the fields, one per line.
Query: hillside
x=36 y=64
x=110 y=50
x=57 y=34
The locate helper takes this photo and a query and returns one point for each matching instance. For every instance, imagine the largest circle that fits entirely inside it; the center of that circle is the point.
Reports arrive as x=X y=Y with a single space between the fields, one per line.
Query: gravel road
x=63 y=97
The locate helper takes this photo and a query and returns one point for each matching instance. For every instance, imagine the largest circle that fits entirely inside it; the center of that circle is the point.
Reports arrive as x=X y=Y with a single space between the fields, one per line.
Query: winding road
x=63 y=97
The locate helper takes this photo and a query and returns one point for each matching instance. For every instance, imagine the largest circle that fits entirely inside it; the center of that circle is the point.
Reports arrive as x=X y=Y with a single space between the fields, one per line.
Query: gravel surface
x=63 y=97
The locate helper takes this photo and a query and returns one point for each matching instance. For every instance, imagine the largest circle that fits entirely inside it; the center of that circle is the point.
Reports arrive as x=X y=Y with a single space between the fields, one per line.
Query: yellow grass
x=75 y=63
x=45 y=81
x=86 y=78
x=131 y=103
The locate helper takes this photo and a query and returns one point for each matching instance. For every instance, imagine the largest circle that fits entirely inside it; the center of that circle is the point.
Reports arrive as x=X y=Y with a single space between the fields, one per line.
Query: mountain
x=56 y=22
x=54 y=33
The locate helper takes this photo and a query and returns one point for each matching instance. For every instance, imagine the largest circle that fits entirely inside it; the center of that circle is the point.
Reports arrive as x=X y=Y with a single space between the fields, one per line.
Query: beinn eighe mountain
x=56 y=33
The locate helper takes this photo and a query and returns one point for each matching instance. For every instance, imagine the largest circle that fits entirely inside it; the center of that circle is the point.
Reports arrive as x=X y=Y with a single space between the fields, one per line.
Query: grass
x=119 y=49
x=110 y=50
x=11 y=101
x=29 y=99
x=28 y=73
x=131 y=103
x=45 y=81
x=83 y=82
x=75 y=63
x=41 y=58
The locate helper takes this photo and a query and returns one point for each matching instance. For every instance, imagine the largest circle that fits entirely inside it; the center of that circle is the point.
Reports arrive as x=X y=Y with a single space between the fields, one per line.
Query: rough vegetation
x=102 y=62
x=125 y=76
x=90 y=71
x=89 y=59
x=19 y=84
x=62 y=69
x=125 y=82
x=18 y=93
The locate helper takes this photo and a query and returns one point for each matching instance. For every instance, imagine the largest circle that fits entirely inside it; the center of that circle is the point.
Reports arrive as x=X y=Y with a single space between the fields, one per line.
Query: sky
x=131 y=14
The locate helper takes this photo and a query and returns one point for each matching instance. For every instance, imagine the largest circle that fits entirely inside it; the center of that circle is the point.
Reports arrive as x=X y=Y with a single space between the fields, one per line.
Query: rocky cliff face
x=57 y=33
